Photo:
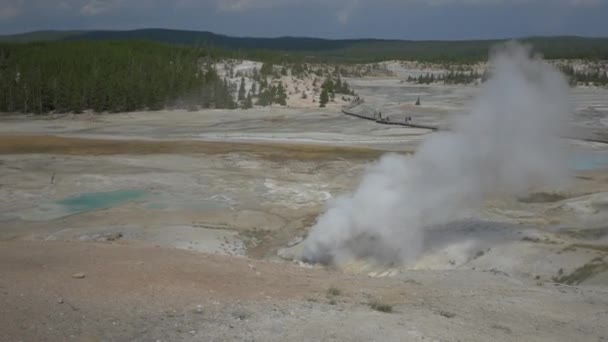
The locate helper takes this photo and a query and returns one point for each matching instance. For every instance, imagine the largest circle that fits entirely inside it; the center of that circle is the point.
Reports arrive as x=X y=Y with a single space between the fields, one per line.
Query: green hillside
x=40 y=36
x=353 y=50
x=63 y=77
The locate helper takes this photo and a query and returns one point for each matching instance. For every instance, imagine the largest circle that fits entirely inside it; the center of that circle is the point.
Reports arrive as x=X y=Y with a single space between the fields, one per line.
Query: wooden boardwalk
x=348 y=110
x=371 y=117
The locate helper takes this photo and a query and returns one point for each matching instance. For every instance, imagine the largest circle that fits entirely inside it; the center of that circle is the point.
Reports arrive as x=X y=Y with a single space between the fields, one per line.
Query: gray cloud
x=451 y=19
x=10 y=9
x=243 y=5
x=95 y=7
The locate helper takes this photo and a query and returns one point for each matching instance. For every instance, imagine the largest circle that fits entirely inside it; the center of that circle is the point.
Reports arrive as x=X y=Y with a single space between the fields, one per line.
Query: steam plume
x=507 y=144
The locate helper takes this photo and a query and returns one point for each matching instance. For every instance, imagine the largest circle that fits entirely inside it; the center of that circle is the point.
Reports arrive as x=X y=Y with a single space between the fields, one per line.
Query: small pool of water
x=590 y=161
x=81 y=203
x=100 y=200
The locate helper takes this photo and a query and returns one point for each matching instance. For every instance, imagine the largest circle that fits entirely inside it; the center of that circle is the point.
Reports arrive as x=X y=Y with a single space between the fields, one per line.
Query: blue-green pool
x=590 y=161
x=100 y=200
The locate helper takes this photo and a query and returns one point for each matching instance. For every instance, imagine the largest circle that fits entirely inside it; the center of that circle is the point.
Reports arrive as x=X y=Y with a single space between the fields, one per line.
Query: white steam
x=507 y=144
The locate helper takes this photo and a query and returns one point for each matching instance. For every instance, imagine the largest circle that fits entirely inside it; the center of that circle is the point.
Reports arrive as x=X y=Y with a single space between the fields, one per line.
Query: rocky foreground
x=58 y=291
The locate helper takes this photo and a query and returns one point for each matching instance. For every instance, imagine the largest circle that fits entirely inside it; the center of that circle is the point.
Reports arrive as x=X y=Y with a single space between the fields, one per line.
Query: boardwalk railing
x=348 y=110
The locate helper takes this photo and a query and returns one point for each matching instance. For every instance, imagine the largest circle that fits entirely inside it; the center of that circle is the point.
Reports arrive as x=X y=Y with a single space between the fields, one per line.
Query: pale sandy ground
x=135 y=293
x=295 y=86
x=226 y=190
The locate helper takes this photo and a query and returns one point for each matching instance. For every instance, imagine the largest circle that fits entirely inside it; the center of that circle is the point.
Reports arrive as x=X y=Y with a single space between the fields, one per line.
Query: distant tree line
x=593 y=76
x=271 y=93
x=343 y=51
x=245 y=100
x=331 y=87
x=452 y=77
x=110 y=76
x=589 y=77
x=274 y=92
x=428 y=78
x=460 y=77
x=107 y=77
x=267 y=93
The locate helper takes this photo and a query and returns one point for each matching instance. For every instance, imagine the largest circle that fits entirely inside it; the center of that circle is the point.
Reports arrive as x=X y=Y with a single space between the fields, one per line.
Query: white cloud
x=96 y=7
x=345 y=13
x=243 y=5
x=11 y=9
x=502 y=2
x=64 y=5
x=343 y=9
x=587 y=3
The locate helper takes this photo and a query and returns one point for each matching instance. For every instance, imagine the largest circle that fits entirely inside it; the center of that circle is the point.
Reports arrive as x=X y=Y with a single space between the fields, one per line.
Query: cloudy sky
x=401 y=19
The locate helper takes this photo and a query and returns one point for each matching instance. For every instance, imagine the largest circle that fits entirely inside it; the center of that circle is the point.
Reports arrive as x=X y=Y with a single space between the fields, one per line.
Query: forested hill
x=182 y=37
x=356 y=50
x=117 y=71
x=107 y=77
